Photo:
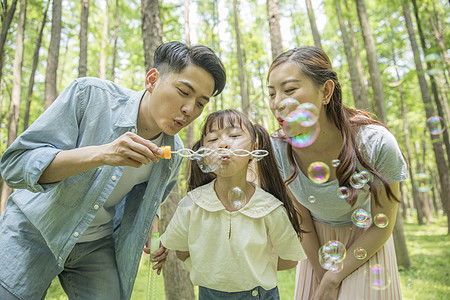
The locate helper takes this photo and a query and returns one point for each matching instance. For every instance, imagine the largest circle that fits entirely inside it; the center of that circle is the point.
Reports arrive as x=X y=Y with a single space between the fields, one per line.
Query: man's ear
x=328 y=89
x=150 y=79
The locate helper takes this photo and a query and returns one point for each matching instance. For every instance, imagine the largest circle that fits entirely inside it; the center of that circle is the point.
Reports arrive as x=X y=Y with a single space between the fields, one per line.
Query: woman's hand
x=328 y=288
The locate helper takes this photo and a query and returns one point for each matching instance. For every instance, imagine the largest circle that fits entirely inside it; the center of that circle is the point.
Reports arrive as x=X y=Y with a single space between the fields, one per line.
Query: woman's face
x=287 y=81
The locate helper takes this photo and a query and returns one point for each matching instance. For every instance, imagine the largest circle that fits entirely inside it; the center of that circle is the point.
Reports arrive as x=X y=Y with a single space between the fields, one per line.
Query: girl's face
x=287 y=81
x=230 y=137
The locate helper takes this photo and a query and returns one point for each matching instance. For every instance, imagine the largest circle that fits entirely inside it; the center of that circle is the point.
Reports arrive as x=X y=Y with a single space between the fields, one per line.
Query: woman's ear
x=150 y=79
x=328 y=89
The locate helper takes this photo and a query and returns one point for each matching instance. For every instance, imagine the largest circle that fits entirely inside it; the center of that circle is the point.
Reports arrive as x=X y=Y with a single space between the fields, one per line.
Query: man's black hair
x=173 y=57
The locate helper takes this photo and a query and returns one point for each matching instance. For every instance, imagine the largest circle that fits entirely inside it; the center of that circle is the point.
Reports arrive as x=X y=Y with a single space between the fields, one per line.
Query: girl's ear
x=328 y=89
x=255 y=146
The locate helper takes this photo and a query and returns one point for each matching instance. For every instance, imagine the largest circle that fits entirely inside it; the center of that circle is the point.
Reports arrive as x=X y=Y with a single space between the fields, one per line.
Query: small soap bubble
x=336 y=267
x=394 y=75
x=361 y=218
x=343 y=192
x=364 y=177
x=381 y=220
x=330 y=253
x=335 y=163
x=237 y=198
x=304 y=138
x=355 y=181
x=319 y=172
x=309 y=113
x=312 y=199
x=409 y=282
x=423 y=181
x=436 y=125
x=287 y=106
x=360 y=253
x=378 y=277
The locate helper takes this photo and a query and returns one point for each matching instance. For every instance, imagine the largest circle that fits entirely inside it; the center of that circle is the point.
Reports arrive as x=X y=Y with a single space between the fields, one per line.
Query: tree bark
x=116 y=37
x=187 y=33
x=312 y=21
x=53 y=55
x=105 y=38
x=354 y=77
x=276 y=40
x=244 y=99
x=82 y=66
x=14 y=112
x=176 y=277
x=437 y=143
x=374 y=70
x=4 y=32
x=33 y=70
x=151 y=30
x=401 y=251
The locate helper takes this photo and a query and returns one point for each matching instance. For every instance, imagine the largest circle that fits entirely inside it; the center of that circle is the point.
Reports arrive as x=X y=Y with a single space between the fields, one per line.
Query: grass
x=427 y=279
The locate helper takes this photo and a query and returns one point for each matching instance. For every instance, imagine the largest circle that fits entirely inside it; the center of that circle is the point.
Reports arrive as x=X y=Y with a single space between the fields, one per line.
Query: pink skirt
x=365 y=282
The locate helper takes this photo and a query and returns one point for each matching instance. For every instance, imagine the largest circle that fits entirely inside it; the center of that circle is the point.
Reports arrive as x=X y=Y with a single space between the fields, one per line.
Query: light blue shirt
x=48 y=219
x=380 y=149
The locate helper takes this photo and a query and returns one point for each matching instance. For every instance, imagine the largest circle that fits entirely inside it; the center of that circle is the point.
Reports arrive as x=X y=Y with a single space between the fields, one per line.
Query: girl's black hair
x=268 y=173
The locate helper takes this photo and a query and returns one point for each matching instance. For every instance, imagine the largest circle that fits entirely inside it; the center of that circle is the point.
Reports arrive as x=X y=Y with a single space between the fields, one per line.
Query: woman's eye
x=288 y=91
x=201 y=105
x=182 y=92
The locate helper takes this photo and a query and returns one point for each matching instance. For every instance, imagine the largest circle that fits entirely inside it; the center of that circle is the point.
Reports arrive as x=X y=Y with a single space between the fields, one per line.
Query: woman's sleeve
x=177 y=232
x=285 y=240
x=31 y=152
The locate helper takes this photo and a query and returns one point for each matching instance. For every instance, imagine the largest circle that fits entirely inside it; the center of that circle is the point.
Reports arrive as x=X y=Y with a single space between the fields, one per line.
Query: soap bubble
x=343 y=192
x=286 y=107
x=378 y=277
x=356 y=181
x=237 y=198
x=330 y=253
x=336 y=267
x=394 y=75
x=312 y=199
x=381 y=220
x=207 y=160
x=364 y=176
x=361 y=218
x=309 y=114
x=423 y=181
x=360 y=253
x=335 y=163
x=319 y=172
x=305 y=138
x=436 y=125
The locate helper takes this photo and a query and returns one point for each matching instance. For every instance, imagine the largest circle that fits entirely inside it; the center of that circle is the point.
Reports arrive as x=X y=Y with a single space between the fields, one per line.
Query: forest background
x=391 y=57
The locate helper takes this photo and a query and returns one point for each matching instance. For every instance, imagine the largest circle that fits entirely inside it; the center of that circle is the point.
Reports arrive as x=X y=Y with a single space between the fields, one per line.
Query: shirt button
x=96 y=206
x=133 y=130
x=255 y=293
x=113 y=178
x=60 y=258
x=76 y=234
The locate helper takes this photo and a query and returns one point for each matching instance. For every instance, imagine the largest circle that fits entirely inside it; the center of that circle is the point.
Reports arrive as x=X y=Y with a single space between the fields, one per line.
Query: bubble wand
x=203 y=152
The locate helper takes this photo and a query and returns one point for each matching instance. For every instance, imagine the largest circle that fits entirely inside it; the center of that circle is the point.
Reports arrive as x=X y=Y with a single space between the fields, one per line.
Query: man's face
x=176 y=99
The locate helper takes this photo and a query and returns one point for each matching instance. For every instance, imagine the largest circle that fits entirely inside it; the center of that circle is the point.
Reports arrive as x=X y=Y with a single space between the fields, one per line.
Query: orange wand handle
x=166 y=152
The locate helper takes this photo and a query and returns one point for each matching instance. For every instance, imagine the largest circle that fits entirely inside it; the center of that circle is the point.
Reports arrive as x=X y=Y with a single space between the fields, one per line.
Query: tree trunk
x=312 y=21
x=189 y=142
x=401 y=251
x=105 y=38
x=176 y=277
x=437 y=144
x=16 y=89
x=151 y=30
x=4 y=32
x=116 y=37
x=53 y=55
x=374 y=70
x=439 y=35
x=276 y=40
x=33 y=70
x=359 y=65
x=434 y=88
x=354 y=77
x=82 y=66
x=244 y=99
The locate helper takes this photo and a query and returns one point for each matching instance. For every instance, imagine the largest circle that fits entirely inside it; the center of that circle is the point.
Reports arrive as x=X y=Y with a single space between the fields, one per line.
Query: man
x=89 y=181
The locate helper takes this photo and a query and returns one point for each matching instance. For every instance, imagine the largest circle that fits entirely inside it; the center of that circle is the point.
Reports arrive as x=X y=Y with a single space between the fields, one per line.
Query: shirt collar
x=128 y=117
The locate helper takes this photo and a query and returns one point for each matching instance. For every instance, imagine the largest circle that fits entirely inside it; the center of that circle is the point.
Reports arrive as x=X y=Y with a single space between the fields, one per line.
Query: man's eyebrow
x=285 y=82
x=189 y=86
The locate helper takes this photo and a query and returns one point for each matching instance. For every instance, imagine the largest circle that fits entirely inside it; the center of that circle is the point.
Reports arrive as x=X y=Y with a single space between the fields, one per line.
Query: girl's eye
x=200 y=104
x=212 y=140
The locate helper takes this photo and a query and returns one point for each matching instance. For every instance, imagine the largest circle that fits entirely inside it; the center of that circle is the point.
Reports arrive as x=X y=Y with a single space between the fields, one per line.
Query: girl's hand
x=328 y=288
x=159 y=256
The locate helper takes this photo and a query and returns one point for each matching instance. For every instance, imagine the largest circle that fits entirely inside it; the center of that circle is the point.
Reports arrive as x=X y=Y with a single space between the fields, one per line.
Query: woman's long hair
x=268 y=173
x=315 y=64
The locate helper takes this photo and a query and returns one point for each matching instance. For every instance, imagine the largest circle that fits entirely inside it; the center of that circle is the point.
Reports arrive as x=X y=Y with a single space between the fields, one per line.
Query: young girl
x=233 y=252
x=348 y=141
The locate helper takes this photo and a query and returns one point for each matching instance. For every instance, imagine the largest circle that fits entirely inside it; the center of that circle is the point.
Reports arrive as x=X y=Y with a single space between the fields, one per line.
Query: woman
x=341 y=143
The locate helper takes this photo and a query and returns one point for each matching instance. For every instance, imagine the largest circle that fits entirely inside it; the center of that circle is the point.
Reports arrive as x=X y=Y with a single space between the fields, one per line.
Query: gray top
x=380 y=149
